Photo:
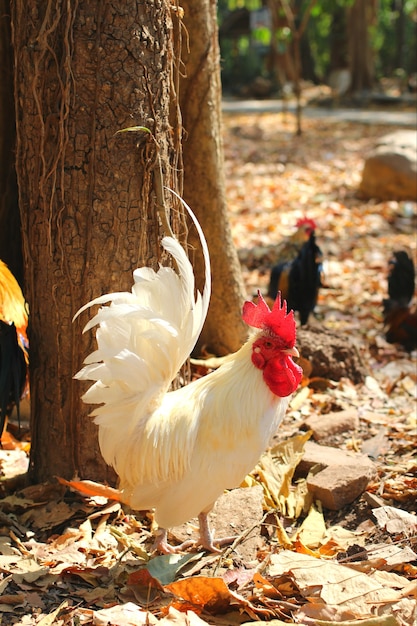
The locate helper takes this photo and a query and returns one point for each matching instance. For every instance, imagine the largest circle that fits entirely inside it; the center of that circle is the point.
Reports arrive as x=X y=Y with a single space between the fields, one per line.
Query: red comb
x=305 y=221
x=278 y=321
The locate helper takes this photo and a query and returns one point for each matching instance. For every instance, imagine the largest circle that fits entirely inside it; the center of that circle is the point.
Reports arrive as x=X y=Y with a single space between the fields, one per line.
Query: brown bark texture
x=85 y=69
x=204 y=185
x=10 y=240
x=361 y=16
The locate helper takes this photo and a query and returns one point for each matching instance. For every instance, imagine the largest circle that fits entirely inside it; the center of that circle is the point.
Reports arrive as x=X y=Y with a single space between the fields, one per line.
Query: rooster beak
x=292 y=352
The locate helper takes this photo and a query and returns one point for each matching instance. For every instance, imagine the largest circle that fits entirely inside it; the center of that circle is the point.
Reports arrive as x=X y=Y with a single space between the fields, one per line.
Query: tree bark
x=361 y=15
x=85 y=69
x=10 y=239
x=338 y=39
x=297 y=23
x=204 y=185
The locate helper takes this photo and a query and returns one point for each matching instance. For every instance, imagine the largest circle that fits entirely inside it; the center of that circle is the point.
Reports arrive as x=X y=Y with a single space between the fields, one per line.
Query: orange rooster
x=177 y=451
x=13 y=344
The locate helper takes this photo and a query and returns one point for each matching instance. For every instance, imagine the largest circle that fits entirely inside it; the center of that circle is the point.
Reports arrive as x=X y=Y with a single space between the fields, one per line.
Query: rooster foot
x=162 y=545
x=205 y=540
x=210 y=546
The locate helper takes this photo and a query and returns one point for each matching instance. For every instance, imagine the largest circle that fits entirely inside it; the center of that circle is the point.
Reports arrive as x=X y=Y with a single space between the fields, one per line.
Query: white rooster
x=177 y=451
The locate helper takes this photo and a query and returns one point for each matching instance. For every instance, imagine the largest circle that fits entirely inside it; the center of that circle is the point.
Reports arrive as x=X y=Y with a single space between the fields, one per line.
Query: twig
x=239 y=540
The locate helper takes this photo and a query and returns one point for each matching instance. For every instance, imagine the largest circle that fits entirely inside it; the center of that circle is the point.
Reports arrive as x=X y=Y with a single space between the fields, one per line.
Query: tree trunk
x=339 y=56
x=10 y=239
x=361 y=15
x=296 y=21
x=85 y=69
x=204 y=185
x=400 y=60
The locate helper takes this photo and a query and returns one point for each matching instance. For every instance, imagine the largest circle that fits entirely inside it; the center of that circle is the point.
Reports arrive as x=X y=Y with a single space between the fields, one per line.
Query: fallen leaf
x=179 y=618
x=128 y=614
x=26 y=570
x=50 y=619
x=396 y=520
x=313 y=528
x=209 y=594
x=333 y=585
x=275 y=471
x=166 y=567
x=91 y=488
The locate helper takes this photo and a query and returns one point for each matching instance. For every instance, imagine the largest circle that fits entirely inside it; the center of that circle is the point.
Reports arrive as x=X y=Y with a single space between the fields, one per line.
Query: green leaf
x=165 y=568
x=134 y=129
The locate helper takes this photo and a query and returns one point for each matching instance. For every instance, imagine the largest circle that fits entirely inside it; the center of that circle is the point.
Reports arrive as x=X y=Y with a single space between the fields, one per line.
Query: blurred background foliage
x=351 y=45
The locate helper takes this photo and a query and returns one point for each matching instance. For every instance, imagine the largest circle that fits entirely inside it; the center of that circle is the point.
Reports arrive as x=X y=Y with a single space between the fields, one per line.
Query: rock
x=339 y=81
x=338 y=485
x=327 y=456
x=390 y=170
x=324 y=426
x=332 y=355
x=342 y=476
x=237 y=511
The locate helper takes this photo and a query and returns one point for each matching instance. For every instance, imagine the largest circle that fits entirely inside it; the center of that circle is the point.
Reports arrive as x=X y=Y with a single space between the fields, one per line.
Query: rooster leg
x=206 y=539
x=161 y=544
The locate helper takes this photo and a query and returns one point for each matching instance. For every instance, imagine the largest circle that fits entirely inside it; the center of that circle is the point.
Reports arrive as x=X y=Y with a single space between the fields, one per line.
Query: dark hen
x=400 y=320
x=401 y=278
x=299 y=280
x=13 y=372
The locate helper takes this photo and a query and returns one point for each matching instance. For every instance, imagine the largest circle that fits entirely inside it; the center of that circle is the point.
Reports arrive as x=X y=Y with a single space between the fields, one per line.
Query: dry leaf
x=91 y=488
x=50 y=619
x=313 y=528
x=209 y=594
x=128 y=614
x=333 y=585
x=396 y=521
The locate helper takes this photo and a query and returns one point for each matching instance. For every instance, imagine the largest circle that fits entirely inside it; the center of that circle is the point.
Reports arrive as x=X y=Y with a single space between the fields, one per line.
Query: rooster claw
x=210 y=545
x=162 y=545
x=205 y=541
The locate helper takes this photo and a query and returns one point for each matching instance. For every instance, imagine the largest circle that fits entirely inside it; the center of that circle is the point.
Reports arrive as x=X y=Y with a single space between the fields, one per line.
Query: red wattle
x=282 y=376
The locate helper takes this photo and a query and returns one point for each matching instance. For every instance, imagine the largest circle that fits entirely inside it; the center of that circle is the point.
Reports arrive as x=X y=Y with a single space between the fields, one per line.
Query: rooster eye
x=268 y=344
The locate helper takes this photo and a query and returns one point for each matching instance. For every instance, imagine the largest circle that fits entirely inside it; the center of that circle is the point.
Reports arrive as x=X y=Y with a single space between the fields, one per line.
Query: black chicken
x=14 y=356
x=401 y=278
x=299 y=280
x=13 y=372
x=400 y=320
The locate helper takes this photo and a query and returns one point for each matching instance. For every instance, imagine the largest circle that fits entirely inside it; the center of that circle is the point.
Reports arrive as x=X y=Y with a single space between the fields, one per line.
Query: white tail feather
x=143 y=338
